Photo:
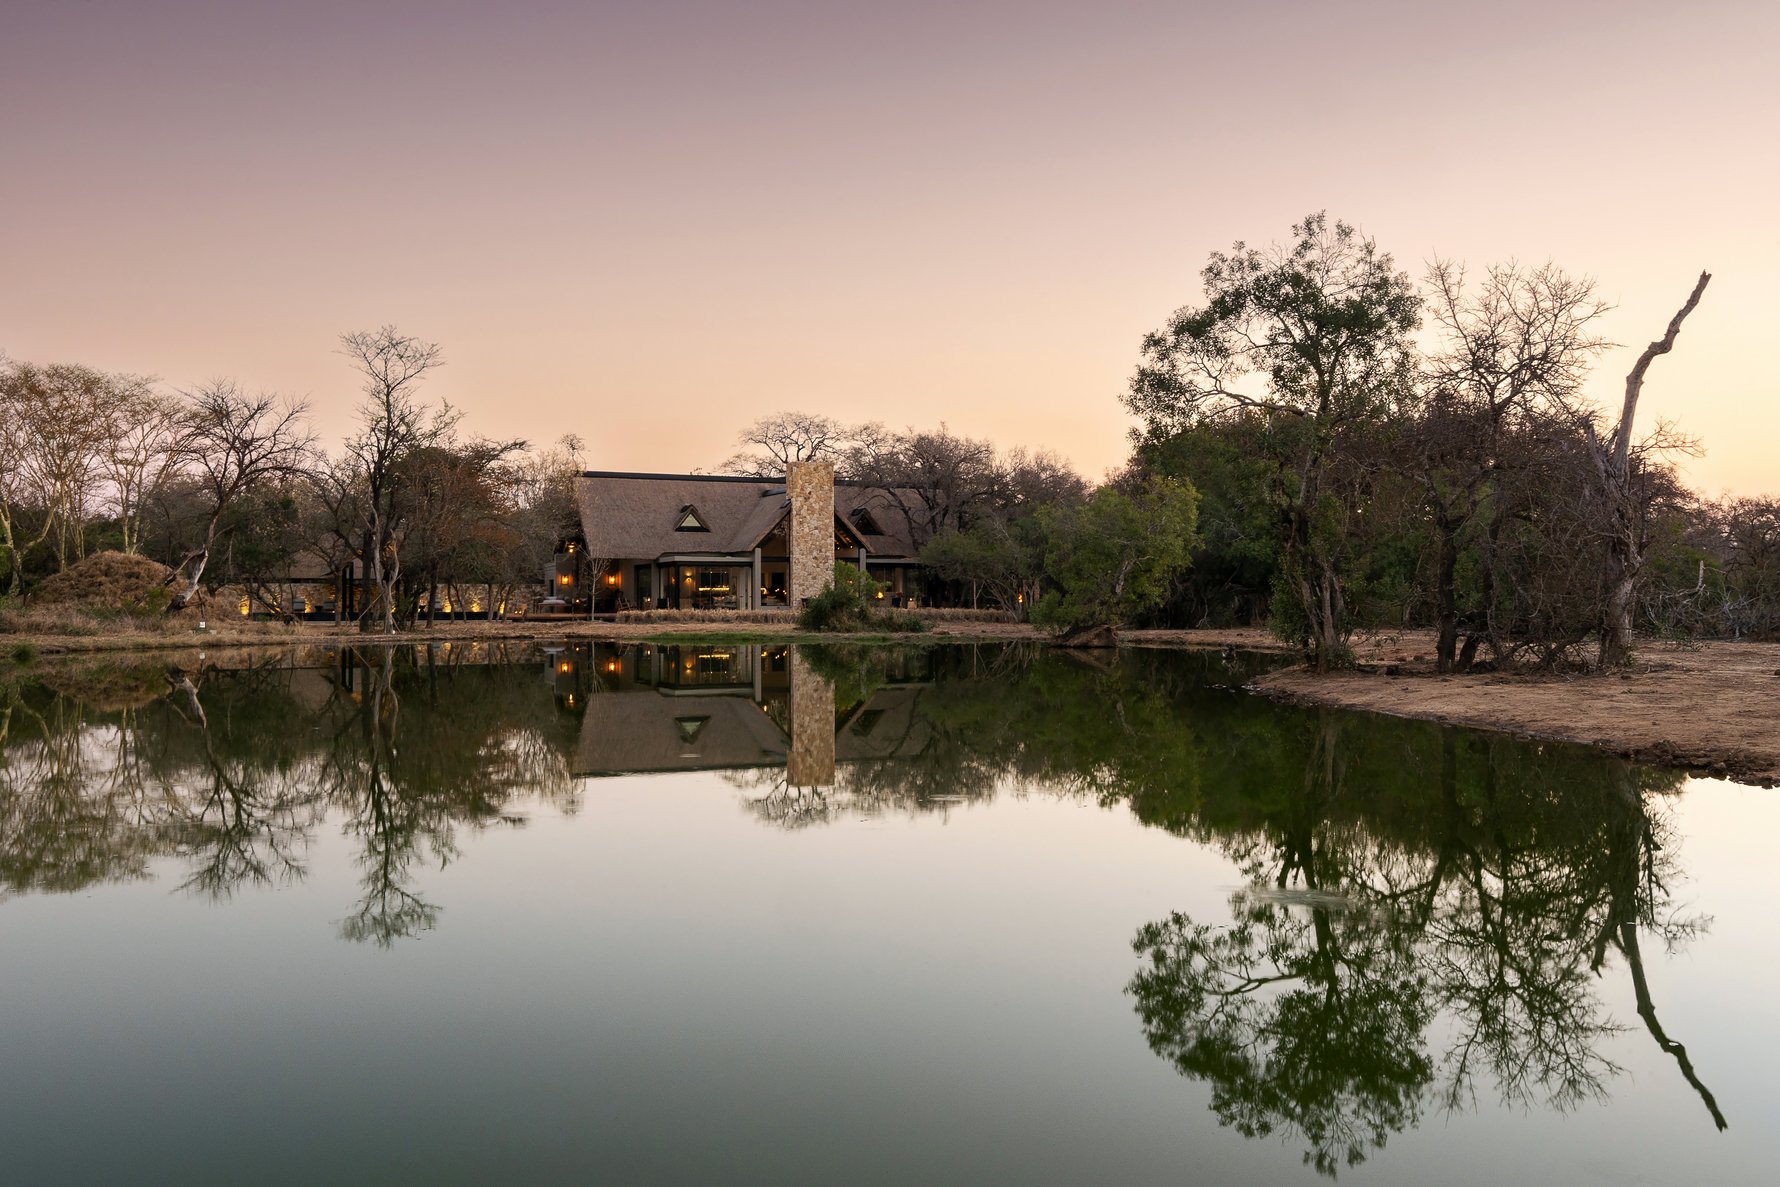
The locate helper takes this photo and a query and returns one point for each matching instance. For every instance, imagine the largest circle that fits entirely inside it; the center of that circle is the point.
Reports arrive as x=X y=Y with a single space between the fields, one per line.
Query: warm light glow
x=245 y=607
x=565 y=579
x=565 y=667
x=291 y=134
x=475 y=607
x=611 y=665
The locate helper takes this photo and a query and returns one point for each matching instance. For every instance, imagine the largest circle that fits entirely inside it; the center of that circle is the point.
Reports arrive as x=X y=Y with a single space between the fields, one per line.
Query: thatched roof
x=638 y=515
x=645 y=731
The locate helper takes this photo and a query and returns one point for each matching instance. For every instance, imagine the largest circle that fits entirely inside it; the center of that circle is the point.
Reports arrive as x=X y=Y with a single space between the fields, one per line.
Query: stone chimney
x=810 y=487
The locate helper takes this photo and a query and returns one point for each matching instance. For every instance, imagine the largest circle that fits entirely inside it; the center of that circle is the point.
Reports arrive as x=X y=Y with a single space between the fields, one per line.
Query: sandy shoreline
x=1713 y=708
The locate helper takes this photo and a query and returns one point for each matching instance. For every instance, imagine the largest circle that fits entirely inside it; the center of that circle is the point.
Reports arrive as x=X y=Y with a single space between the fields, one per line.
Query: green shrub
x=852 y=602
x=24 y=653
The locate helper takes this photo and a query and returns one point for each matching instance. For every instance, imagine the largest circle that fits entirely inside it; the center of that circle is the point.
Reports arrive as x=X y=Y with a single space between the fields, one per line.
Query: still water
x=968 y=914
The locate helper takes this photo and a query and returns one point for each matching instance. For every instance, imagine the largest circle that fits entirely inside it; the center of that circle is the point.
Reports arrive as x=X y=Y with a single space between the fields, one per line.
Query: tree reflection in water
x=1470 y=877
x=1426 y=915
x=1396 y=873
x=232 y=771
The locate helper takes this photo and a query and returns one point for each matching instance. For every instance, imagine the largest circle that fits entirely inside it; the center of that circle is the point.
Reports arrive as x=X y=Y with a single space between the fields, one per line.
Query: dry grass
x=112 y=580
x=777 y=617
x=936 y=614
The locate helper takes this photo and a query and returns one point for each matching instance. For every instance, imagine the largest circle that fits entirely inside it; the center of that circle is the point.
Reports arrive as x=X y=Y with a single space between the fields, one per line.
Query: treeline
x=229 y=486
x=1326 y=445
x=1016 y=530
x=1353 y=474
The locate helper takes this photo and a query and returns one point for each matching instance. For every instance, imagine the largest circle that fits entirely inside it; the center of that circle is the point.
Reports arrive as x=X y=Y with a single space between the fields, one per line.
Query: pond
x=952 y=914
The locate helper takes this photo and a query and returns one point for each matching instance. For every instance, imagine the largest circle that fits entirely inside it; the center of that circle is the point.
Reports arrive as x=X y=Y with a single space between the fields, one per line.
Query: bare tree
x=935 y=479
x=62 y=415
x=146 y=450
x=393 y=425
x=18 y=488
x=1519 y=340
x=774 y=442
x=340 y=516
x=235 y=442
x=1613 y=459
x=544 y=513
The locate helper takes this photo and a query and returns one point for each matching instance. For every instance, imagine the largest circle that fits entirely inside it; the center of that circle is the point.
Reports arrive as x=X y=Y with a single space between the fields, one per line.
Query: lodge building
x=711 y=542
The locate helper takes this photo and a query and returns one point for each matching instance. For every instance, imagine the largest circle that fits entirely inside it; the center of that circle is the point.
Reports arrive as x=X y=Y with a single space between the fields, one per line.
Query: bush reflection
x=1425 y=915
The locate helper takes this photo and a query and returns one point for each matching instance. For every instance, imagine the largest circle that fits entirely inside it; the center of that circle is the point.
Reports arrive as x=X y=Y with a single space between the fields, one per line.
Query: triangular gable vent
x=690 y=520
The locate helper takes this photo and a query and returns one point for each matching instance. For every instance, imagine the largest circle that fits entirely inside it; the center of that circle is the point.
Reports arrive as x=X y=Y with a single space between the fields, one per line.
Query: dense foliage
x=1354 y=478
x=852 y=601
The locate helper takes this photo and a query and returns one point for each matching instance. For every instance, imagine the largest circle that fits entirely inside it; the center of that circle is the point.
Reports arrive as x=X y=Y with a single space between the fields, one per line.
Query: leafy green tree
x=1002 y=560
x=1238 y=556
x=1116 y=555
x=1312 y=338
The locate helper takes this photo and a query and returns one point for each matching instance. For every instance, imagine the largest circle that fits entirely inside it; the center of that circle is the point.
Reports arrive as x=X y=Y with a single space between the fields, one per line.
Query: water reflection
x=1473 y=878
x=1425 y=916
x=232 y=769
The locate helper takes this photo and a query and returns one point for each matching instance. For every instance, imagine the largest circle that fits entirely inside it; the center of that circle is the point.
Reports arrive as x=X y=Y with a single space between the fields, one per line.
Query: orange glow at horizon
x=649 y=225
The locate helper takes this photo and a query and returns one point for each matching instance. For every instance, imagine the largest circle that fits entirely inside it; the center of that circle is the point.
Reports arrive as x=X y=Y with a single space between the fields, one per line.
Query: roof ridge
x=674 y=477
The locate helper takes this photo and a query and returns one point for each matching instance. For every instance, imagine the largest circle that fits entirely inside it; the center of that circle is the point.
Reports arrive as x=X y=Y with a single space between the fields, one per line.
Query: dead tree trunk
x=1625 y=556
x=186 y=578
x=190 y=572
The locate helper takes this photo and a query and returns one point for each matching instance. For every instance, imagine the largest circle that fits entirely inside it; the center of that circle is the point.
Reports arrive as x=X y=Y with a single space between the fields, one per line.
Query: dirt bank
x=1713 y=709
x=176 y=635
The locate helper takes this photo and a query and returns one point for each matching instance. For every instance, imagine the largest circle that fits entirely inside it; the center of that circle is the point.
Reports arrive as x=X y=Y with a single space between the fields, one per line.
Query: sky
x=649 y=224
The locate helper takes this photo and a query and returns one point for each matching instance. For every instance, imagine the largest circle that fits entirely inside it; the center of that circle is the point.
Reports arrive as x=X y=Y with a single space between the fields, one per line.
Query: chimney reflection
x=811 y=762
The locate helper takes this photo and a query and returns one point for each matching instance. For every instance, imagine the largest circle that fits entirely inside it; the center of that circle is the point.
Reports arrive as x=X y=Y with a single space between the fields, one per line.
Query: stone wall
x=810 y=487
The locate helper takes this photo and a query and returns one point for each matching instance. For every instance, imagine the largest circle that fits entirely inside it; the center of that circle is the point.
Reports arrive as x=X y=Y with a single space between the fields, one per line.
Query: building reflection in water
x=651 y=707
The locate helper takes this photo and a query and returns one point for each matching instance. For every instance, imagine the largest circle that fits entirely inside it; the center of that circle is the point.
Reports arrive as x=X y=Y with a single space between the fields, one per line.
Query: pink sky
x=648 y=224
